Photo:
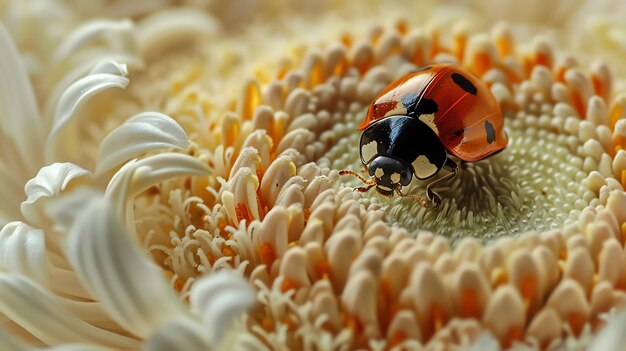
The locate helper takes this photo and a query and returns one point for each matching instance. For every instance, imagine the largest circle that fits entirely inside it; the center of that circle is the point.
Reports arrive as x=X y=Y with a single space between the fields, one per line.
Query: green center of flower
x=526 y=187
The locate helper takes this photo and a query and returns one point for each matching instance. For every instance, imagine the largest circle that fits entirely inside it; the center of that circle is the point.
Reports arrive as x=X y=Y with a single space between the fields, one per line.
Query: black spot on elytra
x=464 y=83
x=416 y=106
x=491 y=132
x=458 y=132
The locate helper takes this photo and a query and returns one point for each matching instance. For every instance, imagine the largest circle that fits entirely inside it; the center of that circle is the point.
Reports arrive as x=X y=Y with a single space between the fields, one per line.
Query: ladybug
x=421 y=123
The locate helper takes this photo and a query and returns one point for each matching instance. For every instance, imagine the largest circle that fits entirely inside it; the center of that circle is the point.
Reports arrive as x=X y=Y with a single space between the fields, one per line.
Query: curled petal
x=45 y=317
x=50 y=181
x=23 y=250
x=103 y=77
x=171 y=26
x=63 y=210
x=19 y=118
x=81 y=69
x=7 y=342
x=219 y=299
x=117 y=273
x=138 y=176
x=141 y=133
x=179 y=334
x=118 y=31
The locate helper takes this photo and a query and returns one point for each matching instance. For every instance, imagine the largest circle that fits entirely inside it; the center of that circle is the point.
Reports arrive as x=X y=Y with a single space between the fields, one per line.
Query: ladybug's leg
x=451 y=166
x=415 y=196
x=363 y=189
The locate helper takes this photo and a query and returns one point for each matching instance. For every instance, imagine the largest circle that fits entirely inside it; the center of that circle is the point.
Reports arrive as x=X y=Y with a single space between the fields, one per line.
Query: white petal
x=63 y=210
x=137 y=176
x=485 y=342
x=110 y=67
x=43 y=316
x=76 y=347
x=144 y=132
x=81 y=69
x=11 y=194
x=49 y=182
x=220 y=298
x=23 y=250
x=171 y=26
x=7 y=342
x=118 y=274
x=19 y=117
x=119 y=33
x=612 y=336
x=73 y=98
x=180 y=334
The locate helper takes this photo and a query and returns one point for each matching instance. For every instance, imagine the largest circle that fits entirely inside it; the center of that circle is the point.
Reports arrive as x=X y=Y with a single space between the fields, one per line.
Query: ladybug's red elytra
x=419 y=121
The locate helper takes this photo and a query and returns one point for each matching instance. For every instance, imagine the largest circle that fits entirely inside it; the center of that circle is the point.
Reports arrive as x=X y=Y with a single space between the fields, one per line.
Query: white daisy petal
x=11 y=194
x=141 y=133
x=50 y=181
x=119 y=275
x=44 y=317
x=102 y=64
x=64 y=209
x=179 y=334
x=220 y=298
x=110 y=67
x=137 y=176
x=76 y=347
x=7 y=342
x=611 y=337
x=73 y=98
x=80 y=70
x=23 y=250
x=19 y=118
x=118 y=33
x=485 y=342
x=168 y=27
x=133 y=9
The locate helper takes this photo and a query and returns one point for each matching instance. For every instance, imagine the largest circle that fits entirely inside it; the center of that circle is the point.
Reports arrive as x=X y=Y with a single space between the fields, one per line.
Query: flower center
x=525 y=187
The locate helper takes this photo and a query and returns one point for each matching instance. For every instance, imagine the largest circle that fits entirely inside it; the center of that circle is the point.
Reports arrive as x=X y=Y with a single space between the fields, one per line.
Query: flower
x=238 y=172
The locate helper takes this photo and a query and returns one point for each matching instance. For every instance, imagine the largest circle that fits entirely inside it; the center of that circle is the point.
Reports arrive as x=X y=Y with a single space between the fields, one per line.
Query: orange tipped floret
x=250 y=100
x=243 y=212
x=267 y=253
x=230 y=129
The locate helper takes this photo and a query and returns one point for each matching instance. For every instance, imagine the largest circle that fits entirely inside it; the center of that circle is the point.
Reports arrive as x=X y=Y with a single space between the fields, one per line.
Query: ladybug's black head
x=390 y=174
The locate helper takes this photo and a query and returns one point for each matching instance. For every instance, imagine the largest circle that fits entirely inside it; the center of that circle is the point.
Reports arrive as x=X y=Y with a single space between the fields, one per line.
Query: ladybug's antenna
x=415 y=196
x=370 y=182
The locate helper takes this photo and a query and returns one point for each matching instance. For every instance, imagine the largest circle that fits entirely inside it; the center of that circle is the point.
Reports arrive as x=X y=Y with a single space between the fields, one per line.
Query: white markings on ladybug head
x=423 y=168
x=384 y=187
x=379 y=173
x=429 y=120
x=369 y=150
x=395 y=177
